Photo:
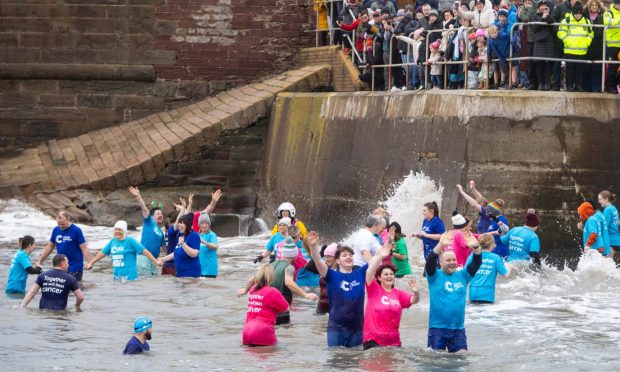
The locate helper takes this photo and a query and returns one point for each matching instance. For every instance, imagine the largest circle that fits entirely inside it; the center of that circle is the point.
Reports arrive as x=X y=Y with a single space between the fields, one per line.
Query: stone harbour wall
x=68 y=67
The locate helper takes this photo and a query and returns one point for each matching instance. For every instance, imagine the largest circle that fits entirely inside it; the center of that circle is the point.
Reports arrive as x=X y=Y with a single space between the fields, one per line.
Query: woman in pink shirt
x=264 y=304
x=462 y=236
x=385 y=303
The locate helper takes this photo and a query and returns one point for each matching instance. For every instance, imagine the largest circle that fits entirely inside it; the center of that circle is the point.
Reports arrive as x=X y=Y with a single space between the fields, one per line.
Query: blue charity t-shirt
x=275 y=239
x=484 y=221
x=602 y=222
x=68 y=243
x=346 y=299
x=500 y=249
x=434 y=226
x=187 y=266
x=123 y=254
x=152 y=236
x=207 y=256
x=521 y=241
x=305 y=277
x=55 y=288
x=172 y=240
x=448 y=295
x=482 y=286
x=593 y=226
x=611 y=218
x=134 y=346
x=17 y=273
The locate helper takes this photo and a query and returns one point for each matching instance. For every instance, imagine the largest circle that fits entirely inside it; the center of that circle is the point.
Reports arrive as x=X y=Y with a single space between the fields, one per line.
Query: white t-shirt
x=364 y=240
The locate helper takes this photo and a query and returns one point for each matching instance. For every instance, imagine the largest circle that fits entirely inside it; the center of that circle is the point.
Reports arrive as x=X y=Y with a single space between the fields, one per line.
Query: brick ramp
x=135 y=152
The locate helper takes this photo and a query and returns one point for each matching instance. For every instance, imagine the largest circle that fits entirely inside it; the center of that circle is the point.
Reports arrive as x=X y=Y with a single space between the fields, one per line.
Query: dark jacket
x=401 y=29
x=558 y=14
x=595 y=51
x=525 y=15
x=544 y=36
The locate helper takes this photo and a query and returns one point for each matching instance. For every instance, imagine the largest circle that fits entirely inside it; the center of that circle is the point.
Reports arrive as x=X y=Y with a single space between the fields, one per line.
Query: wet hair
x=58 y=259
x=187 y=220
x=398 y=231
x=606 y=194
x=155 y=209
x=432 y=206
x=372 y=220
x=264 y=276
x=294 y=231
x=25 y=241
x=65 y=215
x=343 y=248
x=486 y=241
x=380 y=271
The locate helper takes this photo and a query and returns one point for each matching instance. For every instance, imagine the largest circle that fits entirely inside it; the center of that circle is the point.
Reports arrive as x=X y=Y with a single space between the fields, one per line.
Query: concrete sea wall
x=336 y=155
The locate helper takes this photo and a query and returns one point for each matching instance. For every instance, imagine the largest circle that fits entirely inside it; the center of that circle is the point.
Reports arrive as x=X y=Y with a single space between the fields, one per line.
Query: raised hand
x=413 y=285
x=313 y=239
x=215 y=196
x=133 y=190
x=446 y=238
x=459 y=187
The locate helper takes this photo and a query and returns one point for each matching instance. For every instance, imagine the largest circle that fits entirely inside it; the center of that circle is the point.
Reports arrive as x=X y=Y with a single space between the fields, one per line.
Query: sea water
x=548 y=321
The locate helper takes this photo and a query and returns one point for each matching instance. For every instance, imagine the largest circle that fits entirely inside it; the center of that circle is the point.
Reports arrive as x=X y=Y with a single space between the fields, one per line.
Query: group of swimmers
x=366 y=266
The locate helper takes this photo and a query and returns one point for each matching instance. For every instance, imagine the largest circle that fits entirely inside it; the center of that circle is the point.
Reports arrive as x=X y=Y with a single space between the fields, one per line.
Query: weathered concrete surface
x=136 y=152
x=334 y=155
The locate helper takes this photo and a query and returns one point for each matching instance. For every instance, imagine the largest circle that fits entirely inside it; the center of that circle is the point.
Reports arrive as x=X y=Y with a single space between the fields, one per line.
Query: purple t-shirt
x=55 y=288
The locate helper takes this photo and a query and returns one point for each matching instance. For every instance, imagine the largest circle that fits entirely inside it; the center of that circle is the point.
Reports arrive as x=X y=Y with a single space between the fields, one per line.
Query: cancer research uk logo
x=62 y=238
x=451 y=287
x=347 y=286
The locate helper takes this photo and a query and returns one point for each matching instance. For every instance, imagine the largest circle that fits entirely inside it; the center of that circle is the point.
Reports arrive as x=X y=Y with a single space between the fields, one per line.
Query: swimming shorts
x=451 y=339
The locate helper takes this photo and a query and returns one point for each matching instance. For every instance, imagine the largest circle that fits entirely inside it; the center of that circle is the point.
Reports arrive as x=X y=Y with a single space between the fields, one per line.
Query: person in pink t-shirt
x=264 y=304
x=462 y=238
x=385 y=303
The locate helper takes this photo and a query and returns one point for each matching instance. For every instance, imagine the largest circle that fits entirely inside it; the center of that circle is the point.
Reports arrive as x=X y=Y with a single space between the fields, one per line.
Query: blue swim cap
x=142 y=324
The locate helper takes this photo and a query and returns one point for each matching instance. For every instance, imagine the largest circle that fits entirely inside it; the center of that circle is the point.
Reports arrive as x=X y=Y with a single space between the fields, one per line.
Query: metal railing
x=603 y=62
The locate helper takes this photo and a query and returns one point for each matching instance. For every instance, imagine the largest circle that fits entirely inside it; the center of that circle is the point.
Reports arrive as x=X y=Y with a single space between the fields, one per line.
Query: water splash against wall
x=405 y=202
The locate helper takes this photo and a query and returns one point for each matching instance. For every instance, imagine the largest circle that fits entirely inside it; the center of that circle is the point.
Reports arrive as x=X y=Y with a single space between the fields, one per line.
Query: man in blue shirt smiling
x=448 y=295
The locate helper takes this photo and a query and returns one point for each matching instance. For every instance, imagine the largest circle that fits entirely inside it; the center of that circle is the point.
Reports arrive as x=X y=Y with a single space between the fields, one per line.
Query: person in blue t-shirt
x=185 y=255
x=208 y=248
x=21 y=267
x=482 y=286
x=68 y=239
x=55 y=285
x=610 y=212
x=153 y=233
x=594 y=229
x=448 y=295
x=523 y=243
x=283 y=224
x=432 y=228
x=143 y=331
x=123 y=249
x=346 y=290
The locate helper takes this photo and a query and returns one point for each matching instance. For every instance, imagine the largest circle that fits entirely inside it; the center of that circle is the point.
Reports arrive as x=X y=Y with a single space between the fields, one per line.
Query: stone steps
x=136 y=152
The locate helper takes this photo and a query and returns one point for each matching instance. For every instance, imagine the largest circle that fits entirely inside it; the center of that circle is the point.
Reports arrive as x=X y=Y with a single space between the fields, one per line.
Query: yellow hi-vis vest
x=576 y=39
x=612 y=18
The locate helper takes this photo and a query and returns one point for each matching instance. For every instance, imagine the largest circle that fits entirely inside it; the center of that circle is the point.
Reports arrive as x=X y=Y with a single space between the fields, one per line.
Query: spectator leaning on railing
x=526 y=14
x=612 y=18
x=576 y=42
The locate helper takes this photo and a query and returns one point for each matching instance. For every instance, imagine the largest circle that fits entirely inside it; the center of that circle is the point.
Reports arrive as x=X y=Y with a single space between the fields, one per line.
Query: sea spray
x=405 y=202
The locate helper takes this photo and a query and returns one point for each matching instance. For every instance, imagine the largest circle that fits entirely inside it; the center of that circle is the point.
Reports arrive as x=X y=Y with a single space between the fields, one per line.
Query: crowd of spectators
x=505 y=44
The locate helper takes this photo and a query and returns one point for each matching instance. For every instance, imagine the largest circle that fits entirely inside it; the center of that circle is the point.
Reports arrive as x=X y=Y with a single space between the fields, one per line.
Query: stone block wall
x=70 y=66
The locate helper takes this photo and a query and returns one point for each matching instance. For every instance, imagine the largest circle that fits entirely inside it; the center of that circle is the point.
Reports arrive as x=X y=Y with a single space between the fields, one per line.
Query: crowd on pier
x=480 y=44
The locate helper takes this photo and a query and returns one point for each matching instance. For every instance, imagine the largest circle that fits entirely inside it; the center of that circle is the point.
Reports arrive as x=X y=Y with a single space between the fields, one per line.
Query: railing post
x=604 y=57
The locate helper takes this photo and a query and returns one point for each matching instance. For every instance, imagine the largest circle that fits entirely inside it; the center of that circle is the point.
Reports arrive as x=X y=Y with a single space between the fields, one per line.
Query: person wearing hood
x=593 y=237
x=383 y=4
x=499 y=48
x=543 y=45
x=482 y=16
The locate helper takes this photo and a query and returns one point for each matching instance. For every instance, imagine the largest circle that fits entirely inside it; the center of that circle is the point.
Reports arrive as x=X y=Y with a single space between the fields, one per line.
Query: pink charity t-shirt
x=383 y=313
x=299 y=262
x=460 y=248
x=260 y=320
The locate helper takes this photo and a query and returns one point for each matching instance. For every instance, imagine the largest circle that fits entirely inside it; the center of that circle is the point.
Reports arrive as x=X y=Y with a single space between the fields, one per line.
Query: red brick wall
x=68 y=67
